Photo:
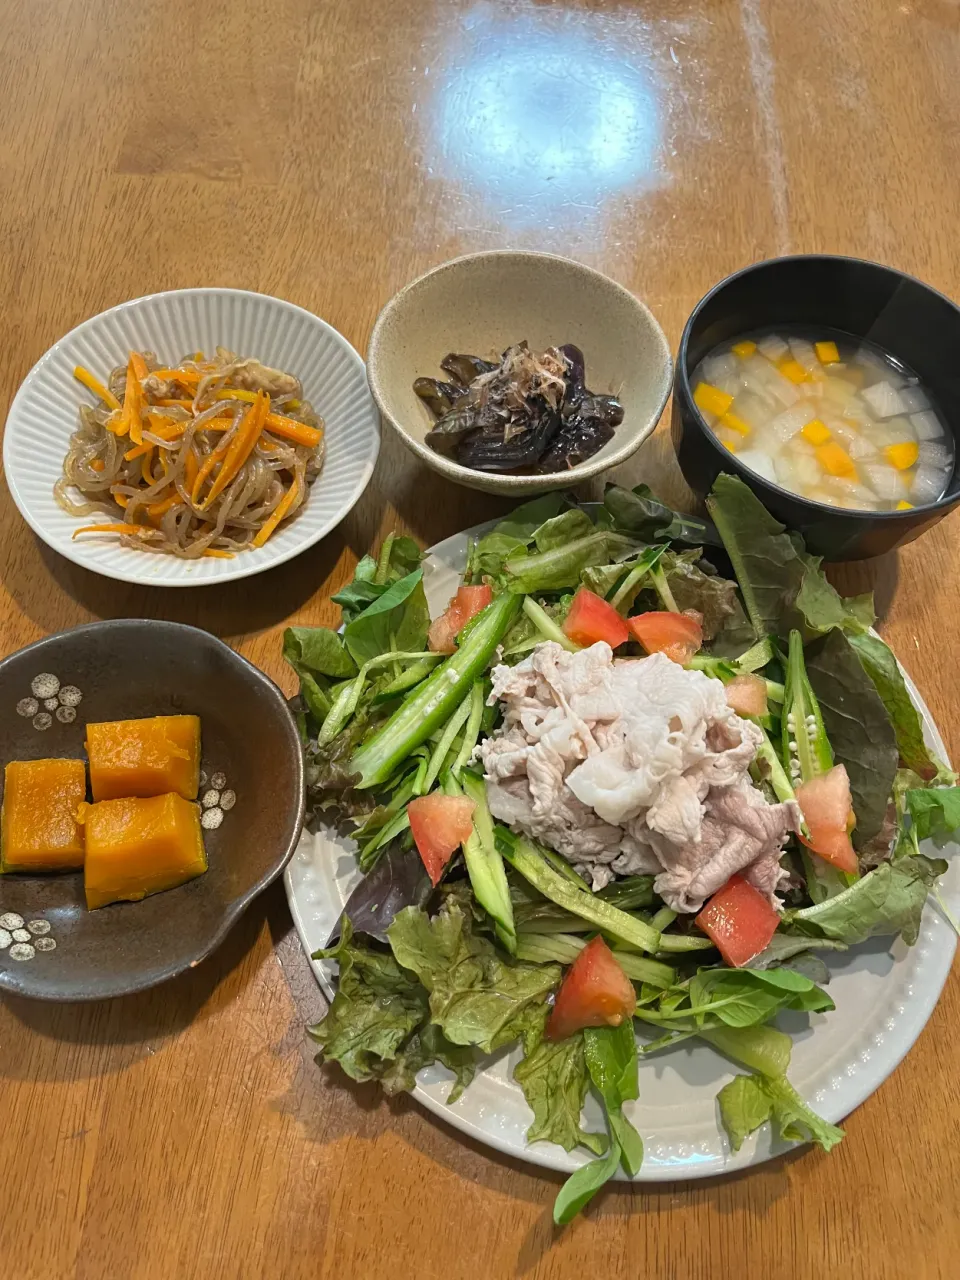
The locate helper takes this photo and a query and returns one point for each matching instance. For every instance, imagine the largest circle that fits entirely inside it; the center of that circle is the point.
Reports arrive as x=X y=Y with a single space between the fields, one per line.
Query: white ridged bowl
x=44 y=414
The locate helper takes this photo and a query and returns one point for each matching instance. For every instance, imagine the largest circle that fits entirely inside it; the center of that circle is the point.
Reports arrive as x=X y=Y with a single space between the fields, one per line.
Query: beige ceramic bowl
x=485 y=302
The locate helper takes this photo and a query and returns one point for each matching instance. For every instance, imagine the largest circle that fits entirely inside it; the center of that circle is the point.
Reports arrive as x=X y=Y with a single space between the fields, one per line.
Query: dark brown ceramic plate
x=127 y=668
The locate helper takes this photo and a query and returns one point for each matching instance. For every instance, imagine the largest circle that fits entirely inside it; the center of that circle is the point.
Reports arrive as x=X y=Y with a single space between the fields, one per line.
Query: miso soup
x=828 y=417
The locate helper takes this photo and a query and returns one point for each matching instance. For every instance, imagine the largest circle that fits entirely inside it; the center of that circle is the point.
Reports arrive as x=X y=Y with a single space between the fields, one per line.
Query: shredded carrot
x=166 y=429
x=120 y=499
x=139 y=529
x=146 y=470
x=290 y=429
x=139 y=365
x=209 y=462
x=277 y=514
x=191 y=469
x=241 y=446
x=157 y=509
x=249 y=396
x=93 y=384
x=218 y=555
x=189 y=377
x=170 y=402
x=132 y=403
x=98 y=464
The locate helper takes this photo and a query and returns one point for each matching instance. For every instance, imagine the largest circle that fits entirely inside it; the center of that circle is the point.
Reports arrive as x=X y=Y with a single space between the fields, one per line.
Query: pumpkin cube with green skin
x=39 y=829
x=140 y=845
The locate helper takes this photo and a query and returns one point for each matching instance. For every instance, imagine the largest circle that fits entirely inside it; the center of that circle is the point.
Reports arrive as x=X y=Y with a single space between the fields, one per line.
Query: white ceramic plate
x=884 y=996
x=44 y=414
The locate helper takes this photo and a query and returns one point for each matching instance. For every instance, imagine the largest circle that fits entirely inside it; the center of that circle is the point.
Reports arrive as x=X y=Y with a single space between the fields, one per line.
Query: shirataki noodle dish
x=837 y=421
x=203 y=458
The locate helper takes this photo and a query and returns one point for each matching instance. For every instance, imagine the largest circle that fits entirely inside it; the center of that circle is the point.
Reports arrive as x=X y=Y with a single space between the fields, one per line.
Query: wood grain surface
x=326 y=152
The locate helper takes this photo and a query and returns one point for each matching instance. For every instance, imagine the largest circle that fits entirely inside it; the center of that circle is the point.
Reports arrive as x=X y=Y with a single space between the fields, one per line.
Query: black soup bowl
x=908 y=319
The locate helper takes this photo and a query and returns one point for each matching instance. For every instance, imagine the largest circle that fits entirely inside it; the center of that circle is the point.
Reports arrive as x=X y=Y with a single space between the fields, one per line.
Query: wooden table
x=326 y=152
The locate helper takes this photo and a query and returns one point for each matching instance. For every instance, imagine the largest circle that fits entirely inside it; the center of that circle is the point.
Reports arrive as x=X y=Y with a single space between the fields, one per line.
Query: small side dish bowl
x=898 y=313
x=44 y=414
x=485 y=302
x=126 y=669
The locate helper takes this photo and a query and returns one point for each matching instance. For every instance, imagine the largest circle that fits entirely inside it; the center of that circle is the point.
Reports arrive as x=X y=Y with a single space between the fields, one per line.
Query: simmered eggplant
x=529 y=412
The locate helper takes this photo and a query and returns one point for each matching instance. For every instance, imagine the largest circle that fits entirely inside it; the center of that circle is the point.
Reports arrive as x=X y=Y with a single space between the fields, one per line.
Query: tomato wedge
x=595 y=993
x=678 y=635
x=828 y=812
x=440 y=824
x=747 y=695
x=739 y=920
x=591 y=619
x=466 y=604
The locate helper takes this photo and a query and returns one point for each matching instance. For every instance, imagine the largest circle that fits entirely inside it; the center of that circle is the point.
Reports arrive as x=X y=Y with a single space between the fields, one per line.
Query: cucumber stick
x=432 y=702
x=485 y=865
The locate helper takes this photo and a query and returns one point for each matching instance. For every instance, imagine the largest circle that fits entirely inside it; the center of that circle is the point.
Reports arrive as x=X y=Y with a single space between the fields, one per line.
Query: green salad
x=633 y=786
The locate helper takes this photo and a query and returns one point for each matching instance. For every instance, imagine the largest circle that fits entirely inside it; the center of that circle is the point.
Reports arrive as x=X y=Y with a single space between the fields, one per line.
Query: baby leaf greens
x=444 y=973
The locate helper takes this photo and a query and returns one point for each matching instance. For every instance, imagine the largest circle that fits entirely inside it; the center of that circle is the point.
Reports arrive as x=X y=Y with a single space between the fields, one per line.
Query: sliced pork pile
x=633 y=766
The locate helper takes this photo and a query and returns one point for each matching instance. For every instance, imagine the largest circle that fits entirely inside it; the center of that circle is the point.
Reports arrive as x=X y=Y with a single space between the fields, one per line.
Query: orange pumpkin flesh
x=144 y=757
x=39 y=825
x=138 y=846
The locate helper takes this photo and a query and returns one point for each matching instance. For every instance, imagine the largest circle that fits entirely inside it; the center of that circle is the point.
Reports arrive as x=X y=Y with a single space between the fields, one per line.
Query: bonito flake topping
x=633 y=765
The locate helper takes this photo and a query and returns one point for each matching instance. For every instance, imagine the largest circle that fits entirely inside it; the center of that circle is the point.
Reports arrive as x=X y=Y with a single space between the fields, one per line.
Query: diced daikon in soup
x=827 y=417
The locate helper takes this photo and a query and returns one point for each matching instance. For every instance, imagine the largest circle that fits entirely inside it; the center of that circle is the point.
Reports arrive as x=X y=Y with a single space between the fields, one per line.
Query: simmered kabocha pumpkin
x=39 y=826
x=144 y=757
x=137 y=846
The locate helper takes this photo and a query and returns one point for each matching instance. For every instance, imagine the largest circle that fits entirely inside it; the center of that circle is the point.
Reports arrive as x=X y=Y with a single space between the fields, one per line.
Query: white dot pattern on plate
x=44 y=414
x=38 y=927
x=22 y=951
x=28 y=707
x=21 y=935
x=45 y=685
x=51 y=704
x=210 y=799
x=42 y=720
x=227 y=800
x=70 y=696
x=210 y=819
x=45 y=944
x=6 y=937
x=10 y=920
x=218 y=781
x=66 y=715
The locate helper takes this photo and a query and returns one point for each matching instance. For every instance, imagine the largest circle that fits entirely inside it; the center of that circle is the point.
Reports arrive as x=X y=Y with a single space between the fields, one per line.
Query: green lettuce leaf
x=563 y=529
x=428 y=1045
x=888 y=900
x=858 y=726
x=476 y=996
x=398 y=557
x=782 y=587
x=639 y=513
x=611 y=1056
x=376 y=1007
x=554 y=1082
x=725 y=625
x=397 y=620
x=748 y=1102
x=783 y=947
x=935 y=812
x=511 y=534
x=317 y=651
x=559 y=567
x=882 y=668
x=743 y=997
x=744 y=1106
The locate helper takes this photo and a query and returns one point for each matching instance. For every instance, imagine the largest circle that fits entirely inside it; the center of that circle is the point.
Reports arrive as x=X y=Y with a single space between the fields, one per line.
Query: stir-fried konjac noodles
x=202 y=459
